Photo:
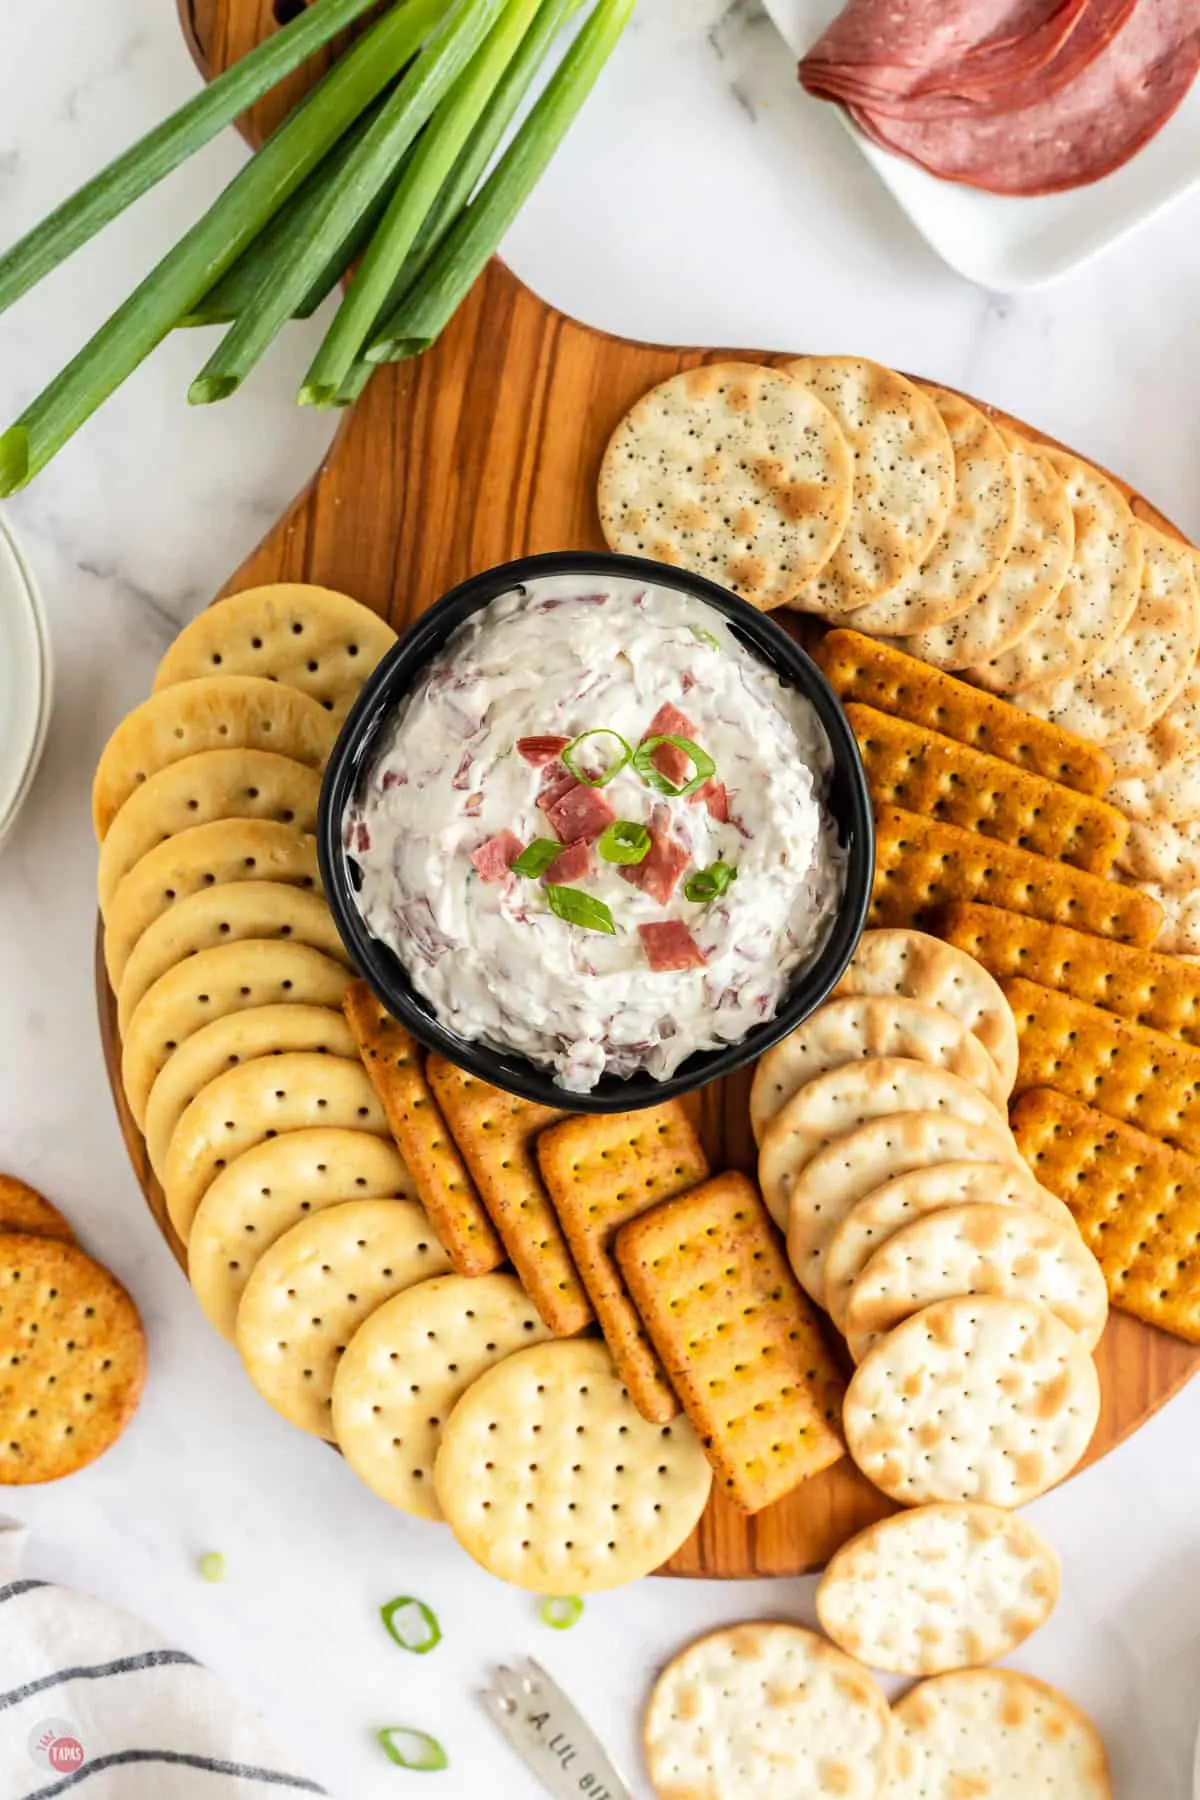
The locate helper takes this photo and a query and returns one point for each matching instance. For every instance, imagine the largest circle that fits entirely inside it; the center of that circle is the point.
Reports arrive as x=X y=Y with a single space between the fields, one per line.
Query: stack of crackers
x=72 y=1349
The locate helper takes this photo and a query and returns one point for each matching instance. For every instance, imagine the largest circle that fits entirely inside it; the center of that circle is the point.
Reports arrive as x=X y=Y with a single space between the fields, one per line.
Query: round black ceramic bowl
x=355 y=752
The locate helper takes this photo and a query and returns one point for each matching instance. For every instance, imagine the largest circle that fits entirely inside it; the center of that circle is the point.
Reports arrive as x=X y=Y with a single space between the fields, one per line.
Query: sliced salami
x=670 y=945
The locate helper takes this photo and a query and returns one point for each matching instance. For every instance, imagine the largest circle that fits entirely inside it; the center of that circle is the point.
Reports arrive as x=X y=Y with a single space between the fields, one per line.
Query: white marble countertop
x=698 y=199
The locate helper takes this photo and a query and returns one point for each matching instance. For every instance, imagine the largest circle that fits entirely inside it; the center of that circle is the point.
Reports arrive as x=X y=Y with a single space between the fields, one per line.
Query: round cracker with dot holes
x=270 y=1188
x=311 y=638
x=226 y=915
x=551 y=1479
x=841 y=1100
x=734 y=471
x=237 y=1038
x=769 y=1710
x=213 y=855
x=23 y=1209
x=998 y=1733
x=221 y=712
x=856 y=1027
x=405 y=1369
x=229 y=978
x=873 y=1220
x=216 y=784
x=72 y=1359
x=260 y=1100
x=972 y=1399
x=939 y=1587
x=979 y=1248
x=315 y=1286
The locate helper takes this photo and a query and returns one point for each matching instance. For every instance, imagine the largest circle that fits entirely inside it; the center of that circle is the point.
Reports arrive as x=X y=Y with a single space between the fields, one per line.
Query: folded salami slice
x=1084 y=131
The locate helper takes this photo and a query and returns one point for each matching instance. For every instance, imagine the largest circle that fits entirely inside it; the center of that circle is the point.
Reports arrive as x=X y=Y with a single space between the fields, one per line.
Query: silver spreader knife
x=550 y=1736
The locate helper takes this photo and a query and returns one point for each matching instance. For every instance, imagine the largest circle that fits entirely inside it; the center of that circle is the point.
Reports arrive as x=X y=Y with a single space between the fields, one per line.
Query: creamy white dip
x=562 y=657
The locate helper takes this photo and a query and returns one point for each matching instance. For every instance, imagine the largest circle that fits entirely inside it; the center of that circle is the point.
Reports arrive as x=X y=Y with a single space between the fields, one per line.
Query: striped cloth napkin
x=93 y=1704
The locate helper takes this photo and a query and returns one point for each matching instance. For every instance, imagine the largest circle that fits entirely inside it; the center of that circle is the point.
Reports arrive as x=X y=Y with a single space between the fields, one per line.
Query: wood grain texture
x=487 y=449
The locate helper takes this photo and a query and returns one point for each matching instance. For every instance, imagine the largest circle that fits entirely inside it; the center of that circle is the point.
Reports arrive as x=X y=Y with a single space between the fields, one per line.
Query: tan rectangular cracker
x=738 y=1338
x=921 y=864
x=908 y=765
x=393 y=1061
x=495 y=1133
x=1137 y=1075
x=1136 y=1202
x=861 y=668
x=1144 y=986
x=602 y=1172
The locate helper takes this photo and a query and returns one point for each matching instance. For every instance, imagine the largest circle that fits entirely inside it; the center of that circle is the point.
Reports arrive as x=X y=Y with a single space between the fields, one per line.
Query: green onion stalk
x=421 y=317
x=214 y=244
x=369 y=170
x=154 y=156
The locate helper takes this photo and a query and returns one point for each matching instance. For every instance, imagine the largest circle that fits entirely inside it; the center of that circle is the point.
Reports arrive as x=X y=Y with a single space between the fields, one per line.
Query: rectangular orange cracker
x=910 y=766
x=1128 y=1071
x=1146 y=987
x=862 y=668
x=921 y=864
x=737 y=1337
x=495 y=1134
x=1136 y=1201
x=393 y=1061
x=601 y=1172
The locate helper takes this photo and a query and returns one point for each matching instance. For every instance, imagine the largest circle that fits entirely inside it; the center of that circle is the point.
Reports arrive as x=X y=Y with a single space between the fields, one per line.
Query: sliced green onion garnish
x=624 y=841
x=410 y=1749
x=536 y=858
x=702 y=764
x=704 y=637
x=212 y=1566
x=709 y=884
x=411 y=1623
x=562 y=1612
x=578 y=908
x=570 y=757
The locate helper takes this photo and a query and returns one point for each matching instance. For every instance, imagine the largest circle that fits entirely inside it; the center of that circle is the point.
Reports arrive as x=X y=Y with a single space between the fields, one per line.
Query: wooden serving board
x=487 y=449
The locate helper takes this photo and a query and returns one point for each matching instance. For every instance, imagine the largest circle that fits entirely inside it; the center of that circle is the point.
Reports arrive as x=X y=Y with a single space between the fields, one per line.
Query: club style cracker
x=74 y=1359
x=738 y=1339
x=495 y=1132
x=551 y=1481
x=24 y=1210
x=1144 y=986
x=876 y=674
x=933 y=775
x=921 y=864
x=1136 y=1202
x=938 y=1588
x=393 y=1062
x=1138 y=1075
x=998 y=1733
x=602 y=1171
x=307 y=637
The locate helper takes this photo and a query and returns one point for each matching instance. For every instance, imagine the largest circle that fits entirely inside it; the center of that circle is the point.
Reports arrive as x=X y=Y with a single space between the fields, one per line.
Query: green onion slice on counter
x=571 y=757
x=562 y=1611
x=624 y=841
x=410 y=1749
x=578 y=908
x=536 y=858
x=702 y=763
x=212 y=1566
x=412 y=1624
x=709 y=884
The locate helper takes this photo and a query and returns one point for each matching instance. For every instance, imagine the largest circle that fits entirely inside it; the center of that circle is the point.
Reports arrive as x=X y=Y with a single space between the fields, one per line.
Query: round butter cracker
x=315 y=1286
x=734 y=471
x=977 y=1398
x=270 y=1188
x=24 y=1210
x=939 y=1587
x=767 y=1710
x=406 y=1368
x=306 y=637
x=551 y=1479
x=997 y=1733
